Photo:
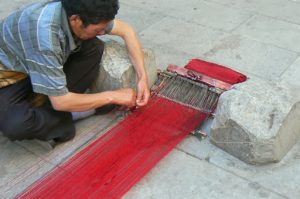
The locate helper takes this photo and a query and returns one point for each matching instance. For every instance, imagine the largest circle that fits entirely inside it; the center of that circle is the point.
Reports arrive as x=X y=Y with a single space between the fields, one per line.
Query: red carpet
x=114 y=163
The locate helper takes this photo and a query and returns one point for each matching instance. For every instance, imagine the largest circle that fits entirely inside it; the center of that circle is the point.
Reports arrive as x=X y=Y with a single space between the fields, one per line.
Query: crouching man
x=49 y=56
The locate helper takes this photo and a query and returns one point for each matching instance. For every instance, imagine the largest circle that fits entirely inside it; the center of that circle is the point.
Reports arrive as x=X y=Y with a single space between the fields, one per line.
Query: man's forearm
x=136 y=54
x=72 y=102
x=80 y=102
x=133 y=46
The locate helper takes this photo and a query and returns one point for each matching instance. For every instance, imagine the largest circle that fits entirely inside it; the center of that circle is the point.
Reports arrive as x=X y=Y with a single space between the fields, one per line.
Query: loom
x=181 y=99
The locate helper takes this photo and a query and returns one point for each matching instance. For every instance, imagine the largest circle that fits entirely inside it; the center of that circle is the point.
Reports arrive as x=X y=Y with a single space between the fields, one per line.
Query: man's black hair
x=91 y=11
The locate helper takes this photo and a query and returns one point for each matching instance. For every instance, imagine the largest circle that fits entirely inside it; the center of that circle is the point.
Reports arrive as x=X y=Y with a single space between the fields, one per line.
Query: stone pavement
x=257 y=37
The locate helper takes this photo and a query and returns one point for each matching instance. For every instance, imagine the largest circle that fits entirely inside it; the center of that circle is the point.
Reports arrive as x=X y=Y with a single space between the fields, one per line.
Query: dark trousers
x=19 y=119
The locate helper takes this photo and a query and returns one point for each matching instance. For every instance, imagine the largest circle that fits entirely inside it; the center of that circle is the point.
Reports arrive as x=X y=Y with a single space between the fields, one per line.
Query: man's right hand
x=125 y=97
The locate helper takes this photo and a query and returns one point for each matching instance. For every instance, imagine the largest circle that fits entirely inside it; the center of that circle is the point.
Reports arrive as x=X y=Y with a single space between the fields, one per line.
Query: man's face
x=89 y=32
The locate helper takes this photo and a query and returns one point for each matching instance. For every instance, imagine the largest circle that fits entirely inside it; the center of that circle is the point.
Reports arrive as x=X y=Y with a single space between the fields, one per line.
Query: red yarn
x=216 y=71
x=111 y=165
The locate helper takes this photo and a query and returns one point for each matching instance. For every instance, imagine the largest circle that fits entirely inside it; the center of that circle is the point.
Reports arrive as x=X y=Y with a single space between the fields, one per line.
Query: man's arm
x=127 y=33
x=72 y=102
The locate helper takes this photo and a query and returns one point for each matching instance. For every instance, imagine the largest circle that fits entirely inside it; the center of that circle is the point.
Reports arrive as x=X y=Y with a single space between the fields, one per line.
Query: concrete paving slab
x=278 y=177
x=165 y=55
x=251 y=57
x=182 y=36
x=202 y=149
x=197 y=11
x=182 y=176
x=273 y=31
x=31 y=175
x=160 y=6
x=86 y=130
x=140 y=18
x=292 y=74
x=211 y=15
x=7 y=7
x=18 y=168
x=287 y=10
x=235 y=51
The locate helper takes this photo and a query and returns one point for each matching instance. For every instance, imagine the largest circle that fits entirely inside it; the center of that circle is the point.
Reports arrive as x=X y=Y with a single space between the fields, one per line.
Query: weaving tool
x=190 y=88
x=109 y=166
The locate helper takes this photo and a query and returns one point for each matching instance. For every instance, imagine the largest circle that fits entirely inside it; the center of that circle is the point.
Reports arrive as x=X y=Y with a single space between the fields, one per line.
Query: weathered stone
x=116 y=70
x=258 y=121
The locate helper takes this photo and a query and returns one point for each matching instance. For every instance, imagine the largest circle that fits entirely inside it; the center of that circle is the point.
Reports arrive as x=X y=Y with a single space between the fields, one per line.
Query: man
x=50 y=48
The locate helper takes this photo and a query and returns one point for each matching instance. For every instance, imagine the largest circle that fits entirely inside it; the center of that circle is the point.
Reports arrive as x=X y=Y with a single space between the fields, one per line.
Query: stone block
x=116 y=70
x=257 y=121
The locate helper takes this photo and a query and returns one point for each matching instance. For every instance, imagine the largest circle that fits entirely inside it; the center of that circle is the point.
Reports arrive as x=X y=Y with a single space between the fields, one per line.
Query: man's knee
x=22 y=123
x=16 y=126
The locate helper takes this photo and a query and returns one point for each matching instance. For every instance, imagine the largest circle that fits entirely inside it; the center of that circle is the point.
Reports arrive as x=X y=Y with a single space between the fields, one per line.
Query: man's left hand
x=143 y=93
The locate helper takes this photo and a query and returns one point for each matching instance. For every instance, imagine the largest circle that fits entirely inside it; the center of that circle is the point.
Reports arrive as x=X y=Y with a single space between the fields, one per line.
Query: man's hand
x=143 y=92
x=125 y=97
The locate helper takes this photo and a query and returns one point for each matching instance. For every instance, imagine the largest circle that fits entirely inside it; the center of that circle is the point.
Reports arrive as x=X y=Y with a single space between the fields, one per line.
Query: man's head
x=88 y=18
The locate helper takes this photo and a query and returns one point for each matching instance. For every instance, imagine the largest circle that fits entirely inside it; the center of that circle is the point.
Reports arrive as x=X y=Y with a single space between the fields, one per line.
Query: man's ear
x=75 y=19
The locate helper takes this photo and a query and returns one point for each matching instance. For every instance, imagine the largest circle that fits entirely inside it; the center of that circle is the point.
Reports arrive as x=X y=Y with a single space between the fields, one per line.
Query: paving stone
x=18 y=168
x=165 y=55
x=200 y=12
x=140 y=18
x=7 y=7
x=196 y=41
x=279 y=177
x=251 y=57
x=202 y=149
x=27 y=178
x=292 y=74
x=182 y=176
x=235 y=51
x=272 y=31
x=197 y=146
x=282 y=9
x=160 y=6
x=86 y=130
x=212 y=15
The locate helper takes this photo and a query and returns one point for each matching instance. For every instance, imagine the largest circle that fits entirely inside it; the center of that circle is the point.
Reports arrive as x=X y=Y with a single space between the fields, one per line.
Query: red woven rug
x=111 y=165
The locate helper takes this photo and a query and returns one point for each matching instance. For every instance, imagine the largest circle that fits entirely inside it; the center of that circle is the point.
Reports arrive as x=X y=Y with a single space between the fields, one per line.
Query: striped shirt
x=37 y=41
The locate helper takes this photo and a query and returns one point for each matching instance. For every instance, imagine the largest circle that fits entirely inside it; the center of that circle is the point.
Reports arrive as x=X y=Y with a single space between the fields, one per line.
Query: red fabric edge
x=216 y=71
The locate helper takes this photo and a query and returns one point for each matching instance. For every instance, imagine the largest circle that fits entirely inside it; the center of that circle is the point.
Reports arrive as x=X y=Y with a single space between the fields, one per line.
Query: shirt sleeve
x=46 y=74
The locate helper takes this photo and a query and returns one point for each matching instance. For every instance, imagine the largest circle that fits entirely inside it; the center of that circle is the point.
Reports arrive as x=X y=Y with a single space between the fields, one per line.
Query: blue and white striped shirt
x=37 y=41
